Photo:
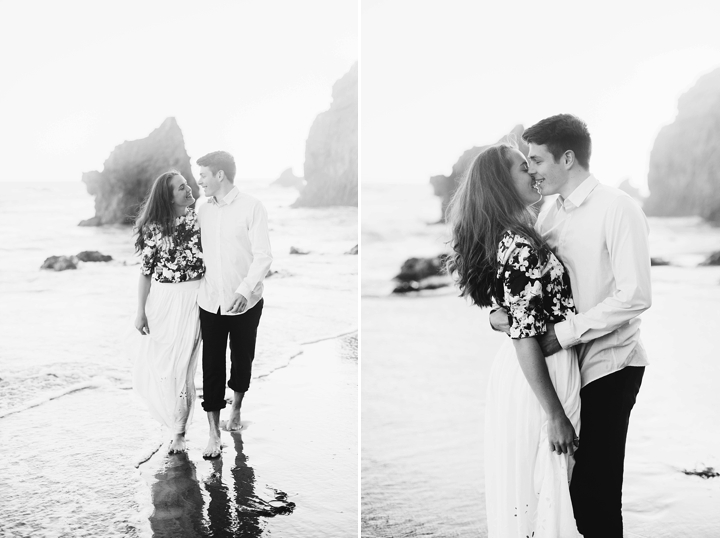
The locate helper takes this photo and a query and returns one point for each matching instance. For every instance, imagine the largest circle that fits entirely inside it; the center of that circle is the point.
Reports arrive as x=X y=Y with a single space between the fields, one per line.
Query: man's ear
x=221 y=175
x=569 y=159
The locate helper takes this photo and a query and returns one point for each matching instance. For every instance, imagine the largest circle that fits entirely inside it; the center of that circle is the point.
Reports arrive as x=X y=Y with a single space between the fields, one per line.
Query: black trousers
x=242 y=331
x=596 y=485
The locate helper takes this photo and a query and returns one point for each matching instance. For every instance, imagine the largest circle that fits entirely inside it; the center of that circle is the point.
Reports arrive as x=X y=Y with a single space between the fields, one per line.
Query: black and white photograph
x=179 y=221
x=540 y=199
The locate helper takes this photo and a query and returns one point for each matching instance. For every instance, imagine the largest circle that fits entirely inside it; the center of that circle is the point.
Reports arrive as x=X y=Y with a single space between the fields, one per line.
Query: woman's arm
x=560 y=430
x=141 y=323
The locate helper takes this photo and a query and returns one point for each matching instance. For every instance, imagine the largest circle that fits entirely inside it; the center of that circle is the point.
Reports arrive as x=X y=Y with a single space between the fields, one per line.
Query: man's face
x=549 y=176
x=209 y=182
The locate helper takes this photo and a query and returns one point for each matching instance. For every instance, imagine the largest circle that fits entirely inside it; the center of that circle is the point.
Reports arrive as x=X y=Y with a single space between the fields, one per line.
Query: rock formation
x=60 y=263
x=418 y=274
x=684 y=174
x=630 y=189
x=129 y=171
x=93 y=256
x=331 y=150
x=289 y=179
x=445 y=186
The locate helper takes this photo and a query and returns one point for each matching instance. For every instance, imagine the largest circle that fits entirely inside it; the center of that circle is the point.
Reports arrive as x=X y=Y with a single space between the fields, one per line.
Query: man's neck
x=225 y=188
x=573 y=182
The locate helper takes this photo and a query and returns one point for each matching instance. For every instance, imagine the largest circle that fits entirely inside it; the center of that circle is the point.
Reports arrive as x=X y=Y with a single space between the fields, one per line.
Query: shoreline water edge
x=423 y=436
x=73 y=434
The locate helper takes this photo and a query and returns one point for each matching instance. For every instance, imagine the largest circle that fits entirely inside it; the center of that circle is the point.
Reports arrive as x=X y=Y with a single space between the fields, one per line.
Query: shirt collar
x=579 y=195
x=228 y=198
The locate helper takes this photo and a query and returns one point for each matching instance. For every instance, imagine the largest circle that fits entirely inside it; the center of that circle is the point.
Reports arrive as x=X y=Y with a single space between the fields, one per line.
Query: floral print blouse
x=173 y=259
x=533 y=294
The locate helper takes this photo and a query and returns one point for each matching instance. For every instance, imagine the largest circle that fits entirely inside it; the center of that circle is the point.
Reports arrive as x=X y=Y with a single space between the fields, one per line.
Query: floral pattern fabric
x=173 y=259
x=533 y=294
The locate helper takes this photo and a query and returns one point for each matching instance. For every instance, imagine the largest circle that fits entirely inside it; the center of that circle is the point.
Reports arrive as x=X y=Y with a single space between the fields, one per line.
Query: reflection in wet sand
x=228 y=506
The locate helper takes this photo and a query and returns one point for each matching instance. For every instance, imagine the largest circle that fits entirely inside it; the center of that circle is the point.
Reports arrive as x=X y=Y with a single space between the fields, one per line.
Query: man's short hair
x=562 y=133
x=219 y=160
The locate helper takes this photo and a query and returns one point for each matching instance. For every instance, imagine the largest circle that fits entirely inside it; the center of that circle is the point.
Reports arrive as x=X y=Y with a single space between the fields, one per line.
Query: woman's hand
x=141 y=324
x=561 y=435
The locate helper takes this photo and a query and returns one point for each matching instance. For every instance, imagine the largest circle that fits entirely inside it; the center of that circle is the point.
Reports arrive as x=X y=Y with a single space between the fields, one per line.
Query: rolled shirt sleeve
x=259 y=236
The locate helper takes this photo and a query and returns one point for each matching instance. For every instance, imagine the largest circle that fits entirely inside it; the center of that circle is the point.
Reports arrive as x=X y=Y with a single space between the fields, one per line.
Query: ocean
x=425 y=361
x=71 y=430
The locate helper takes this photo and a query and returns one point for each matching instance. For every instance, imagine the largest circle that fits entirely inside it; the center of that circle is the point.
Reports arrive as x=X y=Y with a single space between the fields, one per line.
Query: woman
x=165 y=359
x=533 y=403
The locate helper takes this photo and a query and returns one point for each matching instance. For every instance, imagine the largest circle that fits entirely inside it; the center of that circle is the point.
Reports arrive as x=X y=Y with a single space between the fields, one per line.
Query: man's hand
x=499 y=321
x=238 y=305
x=549 y=342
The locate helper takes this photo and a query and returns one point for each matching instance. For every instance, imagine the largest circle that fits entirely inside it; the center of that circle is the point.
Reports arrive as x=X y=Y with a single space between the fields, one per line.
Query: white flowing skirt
x=165 y=361
x=526 y=485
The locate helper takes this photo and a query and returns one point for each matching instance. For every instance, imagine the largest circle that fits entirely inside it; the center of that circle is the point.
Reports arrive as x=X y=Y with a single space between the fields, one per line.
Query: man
x=236 y=249
x=601 y=235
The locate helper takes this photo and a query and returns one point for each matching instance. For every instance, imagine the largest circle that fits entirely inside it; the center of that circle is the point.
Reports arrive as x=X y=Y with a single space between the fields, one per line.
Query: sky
x=245 y=76
x=441 y=77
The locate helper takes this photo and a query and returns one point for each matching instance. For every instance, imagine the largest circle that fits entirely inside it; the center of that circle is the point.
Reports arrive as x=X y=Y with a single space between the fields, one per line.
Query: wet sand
x=290 y=471
x=425 y=366
x=68 y=464
x=71 y=429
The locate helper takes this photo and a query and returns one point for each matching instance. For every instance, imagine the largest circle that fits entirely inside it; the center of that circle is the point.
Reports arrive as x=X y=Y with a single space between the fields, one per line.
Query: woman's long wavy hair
x=157 y=209
x=485 y=206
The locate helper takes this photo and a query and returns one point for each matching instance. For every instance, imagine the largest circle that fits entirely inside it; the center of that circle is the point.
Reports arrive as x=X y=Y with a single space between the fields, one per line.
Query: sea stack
x=129 y=171
x=445 y=186
x=289 y=179
x=684 y=174
x=331 y=150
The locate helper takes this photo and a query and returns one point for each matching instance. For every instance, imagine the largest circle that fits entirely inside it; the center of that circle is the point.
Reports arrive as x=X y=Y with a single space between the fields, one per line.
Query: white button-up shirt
x=236 y=250
x=601 y=236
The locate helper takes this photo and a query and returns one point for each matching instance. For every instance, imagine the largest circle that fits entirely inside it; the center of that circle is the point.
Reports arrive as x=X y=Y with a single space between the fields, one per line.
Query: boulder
x=684 y=172
x=627 y=187
x=445 y=186
x=130 y=170
x=658 y=261
x=331 y=150
x=713 y=259
x=294 y=250
x=353 y=251
x=418 y=274
x=60 y=263
x=289 y=179
x=93 y=256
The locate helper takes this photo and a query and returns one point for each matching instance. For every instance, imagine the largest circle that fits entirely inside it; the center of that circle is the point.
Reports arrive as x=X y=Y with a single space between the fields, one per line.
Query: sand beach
x=426 y=358
x=72 y=432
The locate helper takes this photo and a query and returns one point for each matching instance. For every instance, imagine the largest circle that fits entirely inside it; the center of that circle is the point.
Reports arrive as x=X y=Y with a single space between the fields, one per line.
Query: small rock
x=294 y=250
x=353 y=250
x=60 y=263
x=419 y=268
x=93 y=256
x=418 y=274
x=658 y=261
x=713 y=259
x=278 y=274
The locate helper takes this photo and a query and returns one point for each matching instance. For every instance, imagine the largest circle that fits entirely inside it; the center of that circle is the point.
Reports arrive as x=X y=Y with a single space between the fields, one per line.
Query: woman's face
x=181 y=192
x=522 y=181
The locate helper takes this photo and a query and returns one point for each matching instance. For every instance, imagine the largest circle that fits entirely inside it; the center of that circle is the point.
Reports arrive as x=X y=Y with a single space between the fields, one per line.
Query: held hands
x=141 y=324
x=561 y=435
x=549 y=342
x=239 y=304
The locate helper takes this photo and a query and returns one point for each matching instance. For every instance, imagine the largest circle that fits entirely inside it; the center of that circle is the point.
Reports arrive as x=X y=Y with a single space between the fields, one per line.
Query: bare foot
x=213 y=448
x=177 y=445
x=232 y=425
